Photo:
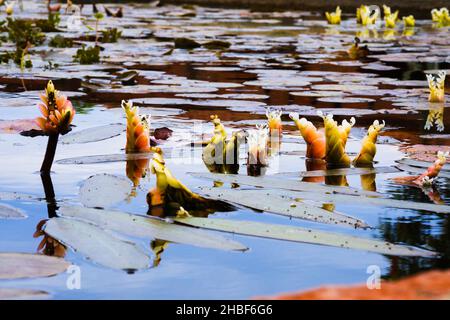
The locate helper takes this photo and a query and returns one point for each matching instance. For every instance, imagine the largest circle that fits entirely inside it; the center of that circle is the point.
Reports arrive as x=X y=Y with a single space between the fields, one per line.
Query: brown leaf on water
x=423 y=152
x=163 y=133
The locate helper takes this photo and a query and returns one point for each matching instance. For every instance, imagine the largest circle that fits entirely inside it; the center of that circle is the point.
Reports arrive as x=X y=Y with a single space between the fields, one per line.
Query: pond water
x=290 y=60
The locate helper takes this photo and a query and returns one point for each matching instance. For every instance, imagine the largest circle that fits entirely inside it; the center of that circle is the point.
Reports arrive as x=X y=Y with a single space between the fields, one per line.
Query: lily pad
x=420 y=170
x=8 y=212
x=422 y=164
x=17 y=126
x=26 y=265
x=345 y=100
x=347 y=171
x=104 y=190
x=22 y=294
x=318 y=94
x=8 y=196
x=105 y=158
x=297 y=234
x=186 y=43
x=149 y=228
x=343 y=87
x=97 y=245
x=279 y=204
x=94 y=134
x=271 y=183
x=365 y=201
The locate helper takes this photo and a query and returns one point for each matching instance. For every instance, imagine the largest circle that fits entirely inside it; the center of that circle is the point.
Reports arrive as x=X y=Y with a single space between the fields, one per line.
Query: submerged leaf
x=297 y=234
x=26 y=265
x=150 y=228
x=97 y=245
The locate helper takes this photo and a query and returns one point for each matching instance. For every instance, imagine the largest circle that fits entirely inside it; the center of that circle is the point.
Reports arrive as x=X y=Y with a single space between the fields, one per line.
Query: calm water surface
x=273 y=60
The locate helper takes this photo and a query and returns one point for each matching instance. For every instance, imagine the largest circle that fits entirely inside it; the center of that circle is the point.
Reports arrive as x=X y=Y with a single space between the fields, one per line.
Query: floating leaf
x=22 y=294
x=343 y=87
x=347 y=171
x=297 y=234
x=105 y=158
x=104 y=190
x=281 y=205
x=16 y=196
x=97 y=245
x=150 y=228
x=8 y=212
x=364 y=201
x=27 y=265
x=345 y=100
x=269 y=182
x=17 y=126
x=94 y=134
x=186 y=43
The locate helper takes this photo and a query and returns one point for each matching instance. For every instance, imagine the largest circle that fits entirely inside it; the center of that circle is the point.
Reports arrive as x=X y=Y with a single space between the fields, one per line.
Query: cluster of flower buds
x=57 y=112
x=138 y=129
x=334 y=17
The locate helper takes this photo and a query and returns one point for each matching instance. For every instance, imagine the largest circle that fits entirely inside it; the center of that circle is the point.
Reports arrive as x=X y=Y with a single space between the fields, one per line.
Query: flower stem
x=49 y=194
x=50 y=153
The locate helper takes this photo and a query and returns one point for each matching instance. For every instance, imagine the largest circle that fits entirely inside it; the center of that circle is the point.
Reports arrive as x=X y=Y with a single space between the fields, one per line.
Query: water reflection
x=418 y=229
x=158 y=246
x=368 y=182
x=315 y=164
x=170 y=197
x=48 y=245
x=135 y=171
x=435 y=117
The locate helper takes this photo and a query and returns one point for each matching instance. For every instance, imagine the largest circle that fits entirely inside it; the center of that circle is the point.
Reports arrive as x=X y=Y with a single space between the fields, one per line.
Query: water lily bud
x=334 y=17
x=368 y=148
